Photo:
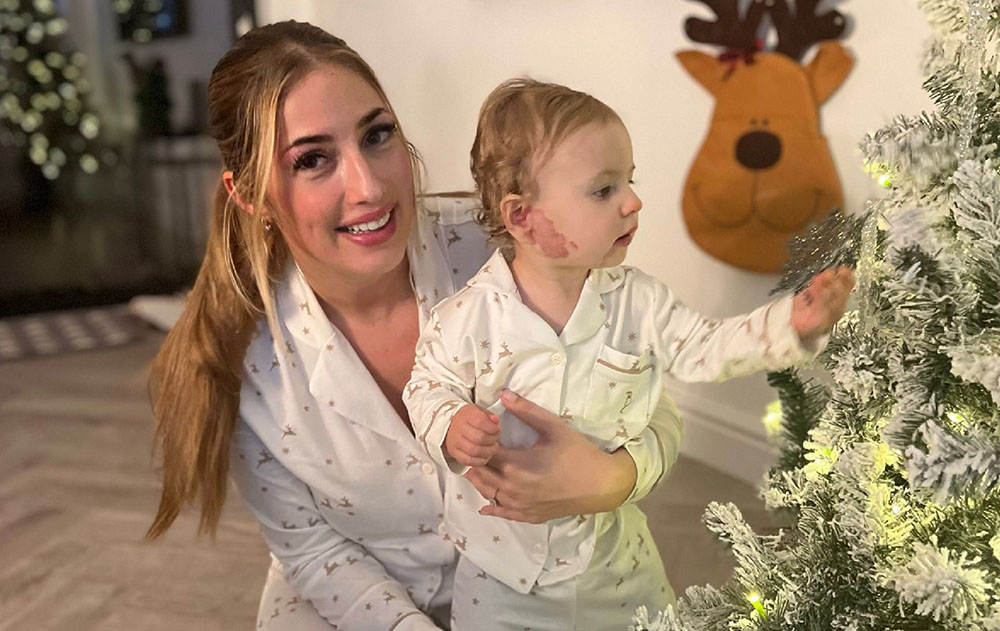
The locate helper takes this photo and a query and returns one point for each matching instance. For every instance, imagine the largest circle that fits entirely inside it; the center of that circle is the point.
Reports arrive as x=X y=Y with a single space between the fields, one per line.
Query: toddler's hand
x=473 y=437
x=817 y=308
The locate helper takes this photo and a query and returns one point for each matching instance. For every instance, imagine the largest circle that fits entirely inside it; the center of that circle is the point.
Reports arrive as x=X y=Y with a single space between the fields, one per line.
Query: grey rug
x=67 y=332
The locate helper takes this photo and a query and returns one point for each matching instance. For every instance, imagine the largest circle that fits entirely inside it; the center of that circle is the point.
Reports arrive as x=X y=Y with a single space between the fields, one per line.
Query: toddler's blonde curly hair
x=520 y=124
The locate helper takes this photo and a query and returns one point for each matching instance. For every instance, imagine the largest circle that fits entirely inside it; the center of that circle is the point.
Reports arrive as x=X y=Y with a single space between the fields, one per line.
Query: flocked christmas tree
x=43 y=91
x=890 y=461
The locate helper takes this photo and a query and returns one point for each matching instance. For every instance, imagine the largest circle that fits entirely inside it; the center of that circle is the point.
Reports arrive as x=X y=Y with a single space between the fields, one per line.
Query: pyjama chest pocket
x=618 y=396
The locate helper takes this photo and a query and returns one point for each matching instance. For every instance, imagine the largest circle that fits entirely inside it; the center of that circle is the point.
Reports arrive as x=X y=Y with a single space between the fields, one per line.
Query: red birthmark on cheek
x=549 y=239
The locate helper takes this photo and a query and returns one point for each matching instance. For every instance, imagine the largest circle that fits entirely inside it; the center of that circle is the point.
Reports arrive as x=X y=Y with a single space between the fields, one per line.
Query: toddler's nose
x=632 y=205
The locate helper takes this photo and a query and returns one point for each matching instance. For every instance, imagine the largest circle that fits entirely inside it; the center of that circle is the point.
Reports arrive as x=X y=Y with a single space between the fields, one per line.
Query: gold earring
x=267 y=224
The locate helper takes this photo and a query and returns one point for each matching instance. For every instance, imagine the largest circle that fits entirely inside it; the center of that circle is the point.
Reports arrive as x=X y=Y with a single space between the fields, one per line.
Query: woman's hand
x=560 y=475
x=817 y=308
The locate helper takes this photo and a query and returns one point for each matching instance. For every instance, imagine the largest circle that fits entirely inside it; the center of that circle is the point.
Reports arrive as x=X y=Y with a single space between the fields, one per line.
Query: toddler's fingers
x=475 y=437
x=484 y=423
x=466 y=455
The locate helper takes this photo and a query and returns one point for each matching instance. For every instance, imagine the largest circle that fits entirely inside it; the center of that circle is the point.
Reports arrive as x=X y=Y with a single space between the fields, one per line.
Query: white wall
x=438 y=59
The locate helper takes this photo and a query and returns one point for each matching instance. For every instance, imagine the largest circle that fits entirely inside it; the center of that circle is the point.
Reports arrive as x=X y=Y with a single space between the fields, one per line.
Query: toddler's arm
x=440 y=386
x=787 y=331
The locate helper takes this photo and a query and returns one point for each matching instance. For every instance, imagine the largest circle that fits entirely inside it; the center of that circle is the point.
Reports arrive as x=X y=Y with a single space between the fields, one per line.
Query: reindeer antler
x=797 y=33
x=730 y=30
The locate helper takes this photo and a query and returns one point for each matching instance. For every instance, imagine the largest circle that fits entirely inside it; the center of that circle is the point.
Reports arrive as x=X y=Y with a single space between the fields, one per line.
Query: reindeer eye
x=753 y=122
x=765 y=122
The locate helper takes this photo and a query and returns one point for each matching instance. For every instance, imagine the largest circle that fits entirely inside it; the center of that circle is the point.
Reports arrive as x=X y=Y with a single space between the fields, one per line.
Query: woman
x=298 y=337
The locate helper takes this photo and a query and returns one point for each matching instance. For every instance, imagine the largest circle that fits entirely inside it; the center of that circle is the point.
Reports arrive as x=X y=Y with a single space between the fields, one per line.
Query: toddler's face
x=585 y=212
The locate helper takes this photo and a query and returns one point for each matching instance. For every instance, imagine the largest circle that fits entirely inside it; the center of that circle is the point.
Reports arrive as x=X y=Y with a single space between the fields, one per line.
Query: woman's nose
x=362 y=181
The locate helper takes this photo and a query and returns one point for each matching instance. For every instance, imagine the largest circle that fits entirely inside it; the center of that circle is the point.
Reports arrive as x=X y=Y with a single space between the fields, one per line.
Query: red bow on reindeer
x=733 y=56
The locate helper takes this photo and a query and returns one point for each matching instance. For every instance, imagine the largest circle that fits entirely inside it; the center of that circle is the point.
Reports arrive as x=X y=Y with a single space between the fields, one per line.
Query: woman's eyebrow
x=370 y=116
x=318 y=138
x=308 y=140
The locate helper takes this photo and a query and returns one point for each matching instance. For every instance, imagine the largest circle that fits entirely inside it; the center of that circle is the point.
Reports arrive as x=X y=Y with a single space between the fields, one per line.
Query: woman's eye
x=309 y=161
x=379 y=134
x=603 y=193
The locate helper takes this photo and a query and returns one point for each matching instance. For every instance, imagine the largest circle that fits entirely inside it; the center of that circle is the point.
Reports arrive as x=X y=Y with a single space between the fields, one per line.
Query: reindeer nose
x=758 y=150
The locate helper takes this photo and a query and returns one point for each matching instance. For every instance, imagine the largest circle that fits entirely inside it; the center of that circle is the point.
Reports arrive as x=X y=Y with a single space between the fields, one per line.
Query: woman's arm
x=565 y=474
x=345 y=584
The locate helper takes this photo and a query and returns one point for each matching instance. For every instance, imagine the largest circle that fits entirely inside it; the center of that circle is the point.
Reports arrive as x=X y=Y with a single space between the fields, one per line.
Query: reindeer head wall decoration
x=764 y=171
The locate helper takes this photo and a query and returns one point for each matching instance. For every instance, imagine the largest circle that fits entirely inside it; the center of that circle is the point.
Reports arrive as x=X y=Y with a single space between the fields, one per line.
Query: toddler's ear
x=514 y=210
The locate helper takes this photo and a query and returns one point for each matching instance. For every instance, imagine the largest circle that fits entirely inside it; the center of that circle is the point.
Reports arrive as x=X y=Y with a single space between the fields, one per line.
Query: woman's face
x=342 y=175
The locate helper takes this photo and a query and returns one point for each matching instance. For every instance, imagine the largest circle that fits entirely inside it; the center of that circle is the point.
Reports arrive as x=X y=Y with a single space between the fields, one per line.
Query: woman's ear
x=514 y=211
x=230 y=183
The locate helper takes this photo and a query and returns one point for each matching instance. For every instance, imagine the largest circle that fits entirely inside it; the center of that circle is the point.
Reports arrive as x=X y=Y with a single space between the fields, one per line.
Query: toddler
x=556 y=318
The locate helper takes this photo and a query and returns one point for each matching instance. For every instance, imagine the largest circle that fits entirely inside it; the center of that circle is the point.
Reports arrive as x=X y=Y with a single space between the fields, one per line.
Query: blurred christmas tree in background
x=43 y=90
x=889 y=462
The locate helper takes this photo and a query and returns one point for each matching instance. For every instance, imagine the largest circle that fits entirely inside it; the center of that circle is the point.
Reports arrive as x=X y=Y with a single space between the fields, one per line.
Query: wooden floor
x=78 y=490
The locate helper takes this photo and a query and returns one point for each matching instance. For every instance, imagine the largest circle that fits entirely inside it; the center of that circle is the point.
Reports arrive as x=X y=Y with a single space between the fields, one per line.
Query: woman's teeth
x=371 y=226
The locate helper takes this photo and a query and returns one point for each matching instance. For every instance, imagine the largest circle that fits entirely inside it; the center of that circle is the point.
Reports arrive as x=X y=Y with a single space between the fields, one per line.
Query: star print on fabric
x=458 y=305
x=275 y=363
x=631 y=337
x=330 y=403
x=329 y=461
x=253 y=369
x=454 y=358
x=475 y=601
x=285 y=450
x=329 y=347
x=459 y=497
x=305 y=330
x=388 y=462
x=289 y=348
x=259 y=393
x=612 y=385
x=453 y=237
x=484 y=344
x=305 y=408
x=368 y=606
x=496 y=539
x=602 y=307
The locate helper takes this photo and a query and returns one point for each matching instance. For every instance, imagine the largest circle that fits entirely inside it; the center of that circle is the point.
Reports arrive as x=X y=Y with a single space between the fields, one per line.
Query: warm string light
x=754 y=599
x=772 y=418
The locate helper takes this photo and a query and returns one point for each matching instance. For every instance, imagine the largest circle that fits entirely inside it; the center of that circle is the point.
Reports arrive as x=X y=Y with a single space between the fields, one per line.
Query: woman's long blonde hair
x=196 y=376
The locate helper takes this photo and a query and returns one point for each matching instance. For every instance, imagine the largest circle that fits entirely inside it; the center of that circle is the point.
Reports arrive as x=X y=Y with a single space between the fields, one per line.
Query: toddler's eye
x=604 y=193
